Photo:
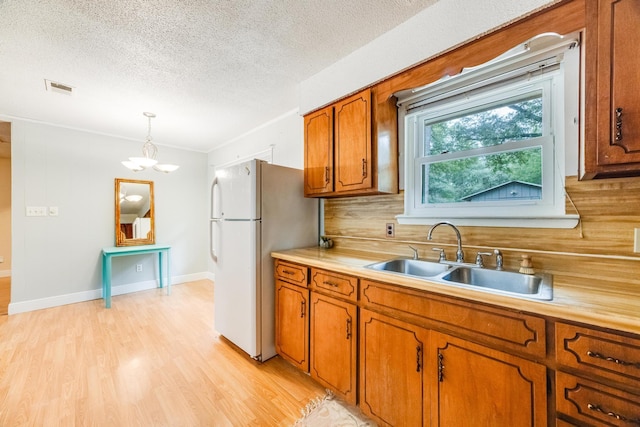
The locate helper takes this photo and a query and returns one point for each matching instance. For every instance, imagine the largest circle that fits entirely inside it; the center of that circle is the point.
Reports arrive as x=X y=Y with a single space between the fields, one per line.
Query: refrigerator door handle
x=212 y=248
x=214 y=184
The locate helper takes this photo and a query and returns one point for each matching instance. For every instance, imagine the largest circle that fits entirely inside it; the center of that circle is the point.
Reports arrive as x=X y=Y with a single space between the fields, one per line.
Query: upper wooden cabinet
x=343 y=156
x=318 y=152
x=612 y=126
x=352 y=143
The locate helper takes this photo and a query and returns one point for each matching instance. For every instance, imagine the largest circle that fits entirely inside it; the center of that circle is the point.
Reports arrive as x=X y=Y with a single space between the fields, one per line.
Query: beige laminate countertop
x=573 y=298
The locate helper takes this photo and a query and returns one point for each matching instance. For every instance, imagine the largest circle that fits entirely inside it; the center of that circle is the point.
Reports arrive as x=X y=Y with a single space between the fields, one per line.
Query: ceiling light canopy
x=149 y=154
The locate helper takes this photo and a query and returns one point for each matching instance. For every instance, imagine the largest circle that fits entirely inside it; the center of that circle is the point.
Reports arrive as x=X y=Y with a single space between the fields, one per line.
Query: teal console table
x=163 y=252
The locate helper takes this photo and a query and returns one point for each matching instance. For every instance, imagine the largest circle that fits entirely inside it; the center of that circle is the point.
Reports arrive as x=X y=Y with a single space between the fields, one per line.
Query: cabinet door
x=392 y=378
x=615 y=60
x=333 y=345
x=477 y=386
x=353 y=160
x=318 y=152
x=292 y=326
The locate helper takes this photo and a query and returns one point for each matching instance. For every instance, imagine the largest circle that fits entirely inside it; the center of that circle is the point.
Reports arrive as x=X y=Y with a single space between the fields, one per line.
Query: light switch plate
x=36 y=211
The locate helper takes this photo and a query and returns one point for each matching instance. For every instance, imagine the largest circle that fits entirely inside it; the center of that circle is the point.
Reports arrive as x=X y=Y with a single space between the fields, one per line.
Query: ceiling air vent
x=58 y=87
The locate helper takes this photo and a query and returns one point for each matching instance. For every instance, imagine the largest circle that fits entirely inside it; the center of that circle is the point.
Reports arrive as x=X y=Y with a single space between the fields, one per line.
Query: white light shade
x=143 y=162
x=133 y=166
x=166 y=168
x=149 y=153
x=133 y=198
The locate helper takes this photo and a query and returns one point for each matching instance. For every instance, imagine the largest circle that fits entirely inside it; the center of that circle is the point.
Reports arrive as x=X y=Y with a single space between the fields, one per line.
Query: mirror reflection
x=134 y=212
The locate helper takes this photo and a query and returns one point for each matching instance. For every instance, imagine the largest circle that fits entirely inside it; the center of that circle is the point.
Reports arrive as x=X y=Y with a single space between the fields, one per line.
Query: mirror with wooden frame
x=134 y=212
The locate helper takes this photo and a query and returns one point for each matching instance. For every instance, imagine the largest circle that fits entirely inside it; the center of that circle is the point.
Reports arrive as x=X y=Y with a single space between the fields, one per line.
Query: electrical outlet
x=53 y=211
x=390 y=232
x=636 y=240
x=138 y=268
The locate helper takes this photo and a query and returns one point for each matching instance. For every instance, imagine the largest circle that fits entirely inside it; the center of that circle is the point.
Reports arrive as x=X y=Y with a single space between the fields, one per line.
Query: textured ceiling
x=210 y=70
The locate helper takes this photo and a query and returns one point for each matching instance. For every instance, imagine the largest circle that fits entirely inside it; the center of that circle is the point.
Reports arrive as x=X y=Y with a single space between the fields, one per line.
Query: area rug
x=328 y=411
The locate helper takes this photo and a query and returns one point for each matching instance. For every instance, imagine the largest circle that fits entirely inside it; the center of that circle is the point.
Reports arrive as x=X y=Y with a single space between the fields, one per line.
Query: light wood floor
x=5 y=294
x=150 y=360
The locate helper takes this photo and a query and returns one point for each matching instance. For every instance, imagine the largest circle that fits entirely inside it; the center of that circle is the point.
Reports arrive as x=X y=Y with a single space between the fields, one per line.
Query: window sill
x=563 y=221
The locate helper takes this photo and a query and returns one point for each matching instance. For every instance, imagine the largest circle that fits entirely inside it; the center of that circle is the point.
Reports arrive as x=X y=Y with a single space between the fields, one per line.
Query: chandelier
x=149 y=154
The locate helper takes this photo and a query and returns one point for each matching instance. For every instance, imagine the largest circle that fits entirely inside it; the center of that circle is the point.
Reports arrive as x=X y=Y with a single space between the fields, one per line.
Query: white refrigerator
x=256 y=208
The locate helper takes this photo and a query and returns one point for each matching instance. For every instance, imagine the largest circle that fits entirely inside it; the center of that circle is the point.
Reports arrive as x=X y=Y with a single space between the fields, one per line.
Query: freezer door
x=237 y=195
x=236 y=284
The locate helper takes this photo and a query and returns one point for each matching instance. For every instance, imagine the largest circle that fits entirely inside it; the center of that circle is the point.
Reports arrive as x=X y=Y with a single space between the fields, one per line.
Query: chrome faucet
x=459 y=252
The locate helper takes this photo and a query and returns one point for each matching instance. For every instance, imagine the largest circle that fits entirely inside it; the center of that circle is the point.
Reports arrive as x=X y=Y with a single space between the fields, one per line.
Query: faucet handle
x=443 y=256
x=499 y=259
x=479 y=260
x=415 y=252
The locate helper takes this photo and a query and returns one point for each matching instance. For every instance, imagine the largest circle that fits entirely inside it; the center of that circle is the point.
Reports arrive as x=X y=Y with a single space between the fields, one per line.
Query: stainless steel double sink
x=537 y=286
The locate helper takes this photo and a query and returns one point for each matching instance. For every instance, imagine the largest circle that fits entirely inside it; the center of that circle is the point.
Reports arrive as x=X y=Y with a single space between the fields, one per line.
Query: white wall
x=438 y=28
x=285 y=134
x=57 y=259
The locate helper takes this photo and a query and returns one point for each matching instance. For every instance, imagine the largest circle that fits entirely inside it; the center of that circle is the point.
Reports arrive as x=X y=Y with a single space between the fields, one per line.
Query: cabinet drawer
x=292 y=273
x=595 y=404
x=335 y=284
x=601 y=353
x=482 y=323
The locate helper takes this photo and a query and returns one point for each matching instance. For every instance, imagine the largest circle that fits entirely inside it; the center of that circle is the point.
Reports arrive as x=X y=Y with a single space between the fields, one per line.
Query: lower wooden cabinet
x=408 y=357
x=393 y=382
x=605 y=389
x=472 y=385
x=592 y=403
x=333 y=345
x=292 y=324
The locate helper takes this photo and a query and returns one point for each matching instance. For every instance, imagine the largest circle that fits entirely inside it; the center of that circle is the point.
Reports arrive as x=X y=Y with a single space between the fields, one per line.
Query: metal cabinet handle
x=302 y=308
x=598 y=408
x=333 y=285
x=364 y=167
x=440 y=368
x=618 y=124
x=348 y=329
x=326 y=174
x=418 y=358
x=612 y=359
x=289 y=272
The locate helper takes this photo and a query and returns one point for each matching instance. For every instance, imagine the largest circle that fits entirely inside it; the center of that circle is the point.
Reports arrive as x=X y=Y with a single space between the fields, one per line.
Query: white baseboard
x=5 y=273
x=55 y=301
x=211 y=276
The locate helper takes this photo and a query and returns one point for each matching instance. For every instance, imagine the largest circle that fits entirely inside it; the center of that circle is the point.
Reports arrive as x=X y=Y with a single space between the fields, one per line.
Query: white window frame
x=444 y=99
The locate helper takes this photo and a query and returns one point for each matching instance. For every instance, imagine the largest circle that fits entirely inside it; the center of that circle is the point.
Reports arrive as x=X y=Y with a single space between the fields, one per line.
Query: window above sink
x=489 y=145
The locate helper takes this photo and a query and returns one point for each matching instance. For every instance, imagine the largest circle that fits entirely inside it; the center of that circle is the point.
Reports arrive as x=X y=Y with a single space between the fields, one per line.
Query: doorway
x=5 y=216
